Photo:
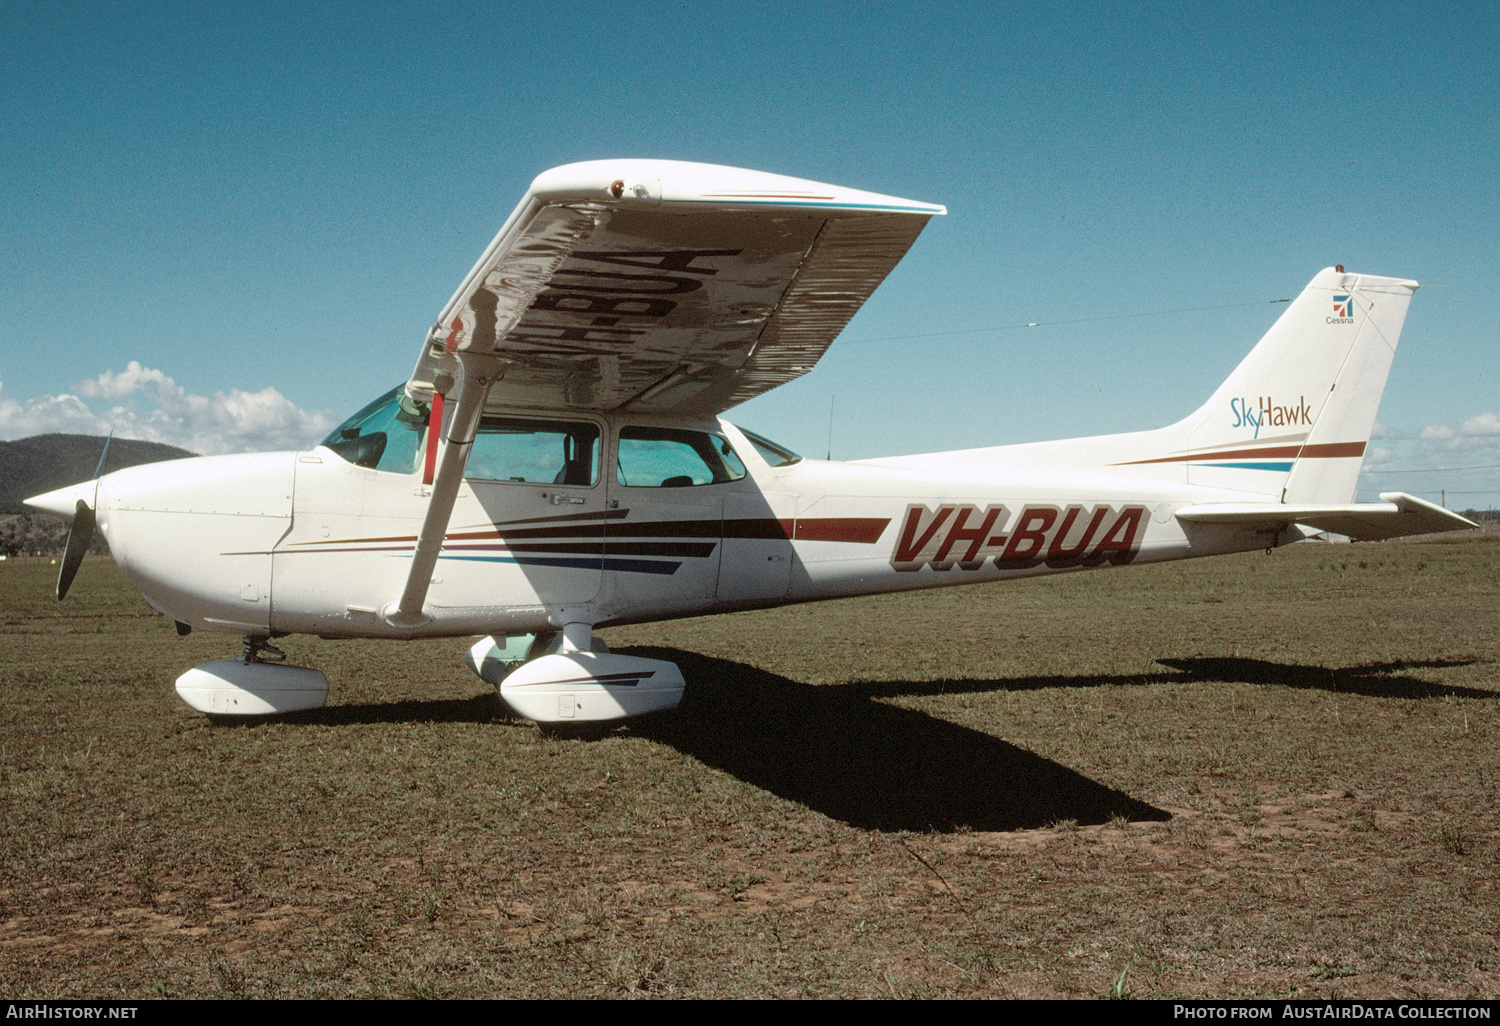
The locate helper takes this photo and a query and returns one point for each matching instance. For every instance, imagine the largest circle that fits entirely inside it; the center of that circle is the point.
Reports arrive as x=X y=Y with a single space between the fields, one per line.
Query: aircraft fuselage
x=312 y=543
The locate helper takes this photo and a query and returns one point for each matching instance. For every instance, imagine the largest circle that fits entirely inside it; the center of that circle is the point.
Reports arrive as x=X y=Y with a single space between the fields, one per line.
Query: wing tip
x=638 y=181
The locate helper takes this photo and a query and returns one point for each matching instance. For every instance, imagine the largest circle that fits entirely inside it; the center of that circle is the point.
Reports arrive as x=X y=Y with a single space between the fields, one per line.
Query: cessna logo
x=1268 y=414
x=1343 y=310
x=966 y=536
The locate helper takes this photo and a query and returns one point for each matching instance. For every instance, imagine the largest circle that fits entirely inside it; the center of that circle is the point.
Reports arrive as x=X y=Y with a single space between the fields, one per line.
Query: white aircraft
x=556 y=462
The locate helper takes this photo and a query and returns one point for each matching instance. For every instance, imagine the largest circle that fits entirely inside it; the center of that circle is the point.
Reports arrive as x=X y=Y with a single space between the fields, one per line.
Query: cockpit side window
x=538 y=451
x=652 y=457
x=386 y=435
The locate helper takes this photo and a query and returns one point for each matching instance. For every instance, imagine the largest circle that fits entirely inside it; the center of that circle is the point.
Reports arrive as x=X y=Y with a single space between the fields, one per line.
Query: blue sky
x=230 y=228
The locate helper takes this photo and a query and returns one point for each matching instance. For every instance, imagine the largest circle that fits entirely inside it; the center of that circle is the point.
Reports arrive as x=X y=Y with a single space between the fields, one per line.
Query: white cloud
x=110 y=385
x=149 y=405
x=1486 y=424
x=1479 y=435
x=62 y=414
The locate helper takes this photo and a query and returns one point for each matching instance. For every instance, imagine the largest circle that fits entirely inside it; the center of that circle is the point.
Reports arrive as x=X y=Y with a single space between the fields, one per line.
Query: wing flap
x=1396 y=516
x=667 y=287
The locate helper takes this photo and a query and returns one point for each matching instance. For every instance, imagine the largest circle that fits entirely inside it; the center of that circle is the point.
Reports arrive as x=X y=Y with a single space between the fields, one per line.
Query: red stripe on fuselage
x=1324 y=450
x=854 y=530
x=859 y=530
x=1334 y=450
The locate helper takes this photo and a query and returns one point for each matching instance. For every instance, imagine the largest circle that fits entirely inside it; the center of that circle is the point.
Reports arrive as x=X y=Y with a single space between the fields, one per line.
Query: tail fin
x=1294 y=418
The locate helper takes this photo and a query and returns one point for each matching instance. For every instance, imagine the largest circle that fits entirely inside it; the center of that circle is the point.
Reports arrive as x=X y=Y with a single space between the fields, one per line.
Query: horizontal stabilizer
x=1397 y=515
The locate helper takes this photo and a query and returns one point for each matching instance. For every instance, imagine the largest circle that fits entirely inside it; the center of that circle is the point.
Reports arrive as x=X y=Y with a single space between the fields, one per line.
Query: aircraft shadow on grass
x=1373 y=680
x=868 y=763
x=840 y=752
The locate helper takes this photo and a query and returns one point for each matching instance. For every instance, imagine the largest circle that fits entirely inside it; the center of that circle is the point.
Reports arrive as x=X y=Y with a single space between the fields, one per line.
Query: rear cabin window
x=774 y=454
x=671 y=458
x=535 y=451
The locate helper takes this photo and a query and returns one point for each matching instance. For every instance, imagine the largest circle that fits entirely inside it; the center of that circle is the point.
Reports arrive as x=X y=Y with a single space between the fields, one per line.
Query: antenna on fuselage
x=830 y=426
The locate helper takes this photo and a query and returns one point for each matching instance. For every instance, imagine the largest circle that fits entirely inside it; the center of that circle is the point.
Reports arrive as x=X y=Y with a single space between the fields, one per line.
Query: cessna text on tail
x=555 y=462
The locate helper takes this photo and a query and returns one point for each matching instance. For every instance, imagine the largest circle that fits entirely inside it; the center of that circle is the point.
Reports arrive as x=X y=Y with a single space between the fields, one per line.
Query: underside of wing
x=1396 y=516
x=661 y=286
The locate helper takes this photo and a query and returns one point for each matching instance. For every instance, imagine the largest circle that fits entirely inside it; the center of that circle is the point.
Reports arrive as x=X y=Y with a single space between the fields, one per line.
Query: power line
x=1434 y=470
x=1450 y=491
x=1048 y=324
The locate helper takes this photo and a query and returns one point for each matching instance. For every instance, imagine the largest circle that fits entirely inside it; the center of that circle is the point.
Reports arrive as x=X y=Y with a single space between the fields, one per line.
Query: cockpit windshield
x=386 y=435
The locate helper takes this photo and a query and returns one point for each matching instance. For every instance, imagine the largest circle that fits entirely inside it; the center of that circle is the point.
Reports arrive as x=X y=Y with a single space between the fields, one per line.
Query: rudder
x=1294 y=418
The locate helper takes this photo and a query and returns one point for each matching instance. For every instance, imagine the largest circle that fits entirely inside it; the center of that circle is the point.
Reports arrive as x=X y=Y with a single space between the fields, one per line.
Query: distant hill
x=41 y=463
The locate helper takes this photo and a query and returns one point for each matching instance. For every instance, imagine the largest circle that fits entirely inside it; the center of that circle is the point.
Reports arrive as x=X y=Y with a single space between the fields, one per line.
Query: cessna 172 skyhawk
x=556 y=463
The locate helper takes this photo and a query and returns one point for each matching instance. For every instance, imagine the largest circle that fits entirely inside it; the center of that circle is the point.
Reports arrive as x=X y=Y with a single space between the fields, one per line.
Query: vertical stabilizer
x=1294 y=418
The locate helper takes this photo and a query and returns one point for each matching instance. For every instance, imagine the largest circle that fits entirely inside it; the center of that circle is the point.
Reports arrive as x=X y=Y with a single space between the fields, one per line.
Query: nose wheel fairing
x=236 y=688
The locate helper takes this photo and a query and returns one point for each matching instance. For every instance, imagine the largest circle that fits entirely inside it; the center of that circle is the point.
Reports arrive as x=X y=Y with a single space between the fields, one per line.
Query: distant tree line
x=32 y=466
x=40 y=534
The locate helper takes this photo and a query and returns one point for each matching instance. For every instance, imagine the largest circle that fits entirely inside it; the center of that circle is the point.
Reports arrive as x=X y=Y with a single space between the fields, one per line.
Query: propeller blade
x=103 y=456
x=82 y=531
x=79 y=537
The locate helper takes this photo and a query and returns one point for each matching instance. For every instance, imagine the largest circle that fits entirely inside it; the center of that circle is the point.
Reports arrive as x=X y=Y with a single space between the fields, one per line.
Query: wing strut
x=478 y=373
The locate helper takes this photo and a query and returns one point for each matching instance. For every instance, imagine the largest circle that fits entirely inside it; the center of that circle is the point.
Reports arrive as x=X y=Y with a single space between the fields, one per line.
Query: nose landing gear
x=260 y=650
x=253 y=686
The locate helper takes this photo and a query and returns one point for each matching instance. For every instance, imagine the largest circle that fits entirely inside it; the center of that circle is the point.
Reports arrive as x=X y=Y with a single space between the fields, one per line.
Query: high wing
x=663 y=286
x=648 y=285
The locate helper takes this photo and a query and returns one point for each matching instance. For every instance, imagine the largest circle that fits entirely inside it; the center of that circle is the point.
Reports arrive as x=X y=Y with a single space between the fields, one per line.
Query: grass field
x=1253 y=776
